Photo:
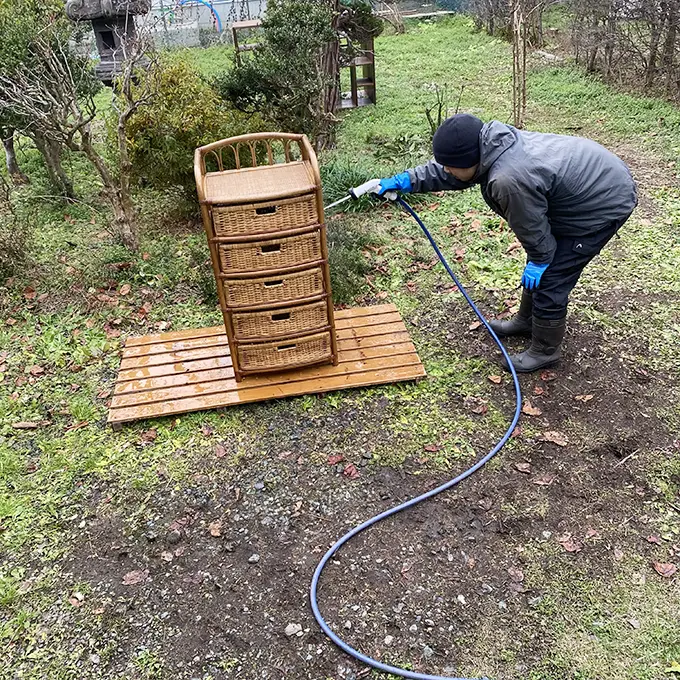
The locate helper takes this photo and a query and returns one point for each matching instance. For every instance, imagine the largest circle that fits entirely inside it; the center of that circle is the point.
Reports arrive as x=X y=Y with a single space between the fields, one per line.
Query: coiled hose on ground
x=401 y=672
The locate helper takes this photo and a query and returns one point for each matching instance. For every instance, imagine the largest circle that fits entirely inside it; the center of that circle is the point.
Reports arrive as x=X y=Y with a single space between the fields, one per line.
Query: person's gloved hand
x=532 y=275
x=400 y=182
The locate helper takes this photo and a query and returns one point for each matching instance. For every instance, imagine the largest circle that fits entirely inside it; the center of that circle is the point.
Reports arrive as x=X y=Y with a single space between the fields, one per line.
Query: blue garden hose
x=401 y=672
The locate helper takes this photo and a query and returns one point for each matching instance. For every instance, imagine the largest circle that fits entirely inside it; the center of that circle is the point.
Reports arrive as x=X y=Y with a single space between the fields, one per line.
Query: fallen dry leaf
x=10 y=321
x=486 y=503
x=569 y=543
x=555 y=437
x=593 y=533
x=103 y=394
x=207 y=430
x=517 y=432
x=432 y=448
x=29 y=293
x=34 y=370
x=475 y=325
x=25 y=425
x=144 y=310
x=335 y=459
x=220 y=451
x=215 y=528
x=351 y=471
x=584 y=397
x=531 y=410
x=654 y=539
x=495 y=379
x=538 y=391
x=523 y=467
x=145 y=256
x=133 y=578
x=665 y=569
x=76 y=599
x=544 y=480
x=618 y=554
x=167 y=556
x=547 y=376
x=516 y=574
x=149 y=435
x=124 y=289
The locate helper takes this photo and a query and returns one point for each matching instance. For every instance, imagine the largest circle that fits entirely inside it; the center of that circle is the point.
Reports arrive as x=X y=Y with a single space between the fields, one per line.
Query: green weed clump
x=339 y=174
x=185 y=113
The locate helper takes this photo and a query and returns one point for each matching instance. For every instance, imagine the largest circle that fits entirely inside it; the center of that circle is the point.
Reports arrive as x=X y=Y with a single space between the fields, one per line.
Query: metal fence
x=220 y=14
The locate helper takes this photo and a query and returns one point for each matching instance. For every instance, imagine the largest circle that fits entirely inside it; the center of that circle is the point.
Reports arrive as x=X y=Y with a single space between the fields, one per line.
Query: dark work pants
x=551 y=297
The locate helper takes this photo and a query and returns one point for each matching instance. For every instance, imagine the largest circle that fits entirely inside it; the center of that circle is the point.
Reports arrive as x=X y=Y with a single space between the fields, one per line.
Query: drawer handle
x=273 y=284
x=282 y=316
x=269 y=210
x=284 y=348
x=272 y=248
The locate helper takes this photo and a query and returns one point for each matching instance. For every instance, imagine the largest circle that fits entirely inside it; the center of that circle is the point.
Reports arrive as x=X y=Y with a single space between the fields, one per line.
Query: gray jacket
x=544 y=185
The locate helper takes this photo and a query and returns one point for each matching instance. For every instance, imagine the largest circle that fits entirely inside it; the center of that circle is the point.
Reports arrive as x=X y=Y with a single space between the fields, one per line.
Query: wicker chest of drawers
x=262 y=210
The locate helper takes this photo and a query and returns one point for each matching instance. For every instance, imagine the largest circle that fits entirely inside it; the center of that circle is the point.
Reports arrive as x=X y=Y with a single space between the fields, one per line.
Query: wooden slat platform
x=191 y=370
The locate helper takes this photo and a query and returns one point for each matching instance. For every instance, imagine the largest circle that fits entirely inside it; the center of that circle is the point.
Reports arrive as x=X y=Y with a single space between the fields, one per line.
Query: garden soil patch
x=229 y=564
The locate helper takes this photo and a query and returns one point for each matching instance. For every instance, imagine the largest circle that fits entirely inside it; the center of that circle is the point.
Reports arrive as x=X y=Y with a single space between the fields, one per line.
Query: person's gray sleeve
x=432 y=177
x=526 y=211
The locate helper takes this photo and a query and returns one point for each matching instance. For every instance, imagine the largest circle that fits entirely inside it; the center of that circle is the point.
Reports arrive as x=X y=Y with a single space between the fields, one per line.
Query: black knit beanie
x=456 y=142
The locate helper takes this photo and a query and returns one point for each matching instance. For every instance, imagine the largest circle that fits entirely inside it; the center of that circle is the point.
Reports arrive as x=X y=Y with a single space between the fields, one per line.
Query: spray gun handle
x=372 y=187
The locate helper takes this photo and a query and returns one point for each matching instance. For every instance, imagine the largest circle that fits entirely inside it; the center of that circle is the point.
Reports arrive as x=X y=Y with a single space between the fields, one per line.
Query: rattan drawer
x=284 y=321
x=280 y=253
x=274 y=289
x=309 y=349
x=262 y=218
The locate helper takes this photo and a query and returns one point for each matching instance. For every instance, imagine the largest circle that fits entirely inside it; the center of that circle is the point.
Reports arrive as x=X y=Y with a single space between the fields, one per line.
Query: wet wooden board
x=191 y=370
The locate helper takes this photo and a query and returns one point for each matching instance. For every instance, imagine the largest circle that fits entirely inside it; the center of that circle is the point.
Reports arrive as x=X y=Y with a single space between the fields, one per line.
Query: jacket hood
x=494 y=140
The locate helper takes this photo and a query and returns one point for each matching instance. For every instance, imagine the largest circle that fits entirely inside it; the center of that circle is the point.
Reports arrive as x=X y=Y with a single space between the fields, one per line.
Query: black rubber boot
x=546 y=344
x=520 y=324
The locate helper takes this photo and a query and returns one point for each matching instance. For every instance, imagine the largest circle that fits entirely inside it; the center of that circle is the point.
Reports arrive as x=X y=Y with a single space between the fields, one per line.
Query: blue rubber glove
x=532 y=275
x=400 y=182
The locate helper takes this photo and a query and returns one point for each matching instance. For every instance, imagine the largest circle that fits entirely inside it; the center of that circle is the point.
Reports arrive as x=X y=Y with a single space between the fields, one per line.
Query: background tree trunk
x=330 y=70
x=656 y=29
x=15 y=172
x=51 y=153
x=519 y=62
x=117 y=191
x=668 y=56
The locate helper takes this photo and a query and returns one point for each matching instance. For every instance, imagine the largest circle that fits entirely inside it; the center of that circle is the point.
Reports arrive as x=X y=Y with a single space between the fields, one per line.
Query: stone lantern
x=113 y=22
